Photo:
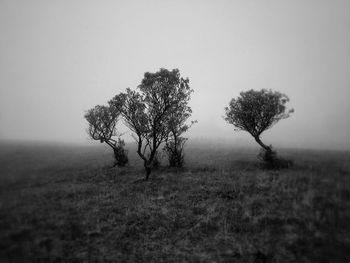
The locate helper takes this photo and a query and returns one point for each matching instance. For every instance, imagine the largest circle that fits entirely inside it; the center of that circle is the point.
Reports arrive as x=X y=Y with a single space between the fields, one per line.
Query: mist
x=60 y=58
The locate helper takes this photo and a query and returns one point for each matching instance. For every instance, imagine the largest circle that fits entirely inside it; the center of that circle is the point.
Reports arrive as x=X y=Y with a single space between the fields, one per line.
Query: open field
x=63 y=203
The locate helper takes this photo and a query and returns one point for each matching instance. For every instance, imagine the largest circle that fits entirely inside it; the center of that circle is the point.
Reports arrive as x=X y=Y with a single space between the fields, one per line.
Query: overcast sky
x=60 y=58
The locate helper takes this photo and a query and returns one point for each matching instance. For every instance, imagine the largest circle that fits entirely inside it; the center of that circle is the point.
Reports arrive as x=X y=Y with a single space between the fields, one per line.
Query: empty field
x=63 y=203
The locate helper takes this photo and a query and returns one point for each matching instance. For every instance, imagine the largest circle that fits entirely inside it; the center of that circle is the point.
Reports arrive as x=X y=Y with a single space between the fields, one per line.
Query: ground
x=64 y=203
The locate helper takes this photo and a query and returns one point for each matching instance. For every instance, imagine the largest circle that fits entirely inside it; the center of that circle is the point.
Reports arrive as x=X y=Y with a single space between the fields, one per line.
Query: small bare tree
x=255 y=112
x=102 y=127
x=148 y=111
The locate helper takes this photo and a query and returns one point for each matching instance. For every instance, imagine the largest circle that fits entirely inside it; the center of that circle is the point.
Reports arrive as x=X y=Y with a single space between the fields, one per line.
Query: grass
x=63 y=203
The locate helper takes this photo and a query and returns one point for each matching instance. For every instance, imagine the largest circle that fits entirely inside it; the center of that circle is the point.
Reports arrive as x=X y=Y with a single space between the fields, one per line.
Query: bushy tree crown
x=157 y=107
x=102 y=121
x=256 y=111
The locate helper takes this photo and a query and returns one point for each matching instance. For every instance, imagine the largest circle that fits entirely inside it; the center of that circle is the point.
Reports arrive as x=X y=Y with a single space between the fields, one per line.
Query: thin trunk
x=139 y=146
x=177 y=161
x=175 y=142
x=148 y=172
x=267 y=148
x=148 y=164
x=114 y=149
x=148 y=169
x=115 y=157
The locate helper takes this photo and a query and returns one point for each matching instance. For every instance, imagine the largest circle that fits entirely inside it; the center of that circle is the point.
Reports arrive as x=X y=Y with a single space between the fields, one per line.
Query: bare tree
x=256 y=111
x=102 y=127
x=148 y=111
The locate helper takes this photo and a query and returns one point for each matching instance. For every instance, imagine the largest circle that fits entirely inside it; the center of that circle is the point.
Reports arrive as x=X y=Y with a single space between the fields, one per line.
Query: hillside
x=63 y=203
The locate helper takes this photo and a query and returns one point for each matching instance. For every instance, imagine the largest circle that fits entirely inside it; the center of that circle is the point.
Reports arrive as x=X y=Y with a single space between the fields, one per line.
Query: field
x=61 y=203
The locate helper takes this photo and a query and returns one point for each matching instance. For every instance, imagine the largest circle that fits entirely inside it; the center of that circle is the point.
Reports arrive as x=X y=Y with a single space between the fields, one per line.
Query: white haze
x=60 y=58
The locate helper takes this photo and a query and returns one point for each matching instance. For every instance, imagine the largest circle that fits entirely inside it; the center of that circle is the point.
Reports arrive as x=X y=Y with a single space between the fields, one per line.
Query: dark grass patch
x=230 y=212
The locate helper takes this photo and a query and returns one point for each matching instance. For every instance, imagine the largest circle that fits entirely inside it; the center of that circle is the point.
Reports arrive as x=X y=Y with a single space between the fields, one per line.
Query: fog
x=60 y=58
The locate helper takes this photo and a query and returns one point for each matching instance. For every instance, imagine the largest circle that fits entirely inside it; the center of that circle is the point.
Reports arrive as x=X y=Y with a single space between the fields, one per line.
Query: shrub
x=120 y=153
x=175 y=153
x=270 y=160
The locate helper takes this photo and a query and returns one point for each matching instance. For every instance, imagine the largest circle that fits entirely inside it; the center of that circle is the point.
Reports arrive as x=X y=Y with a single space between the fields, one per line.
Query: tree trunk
x=115 y=157
x=267 y=148
x=148 y=168
x=114 y=150
x=148 y=172
x=175 y=150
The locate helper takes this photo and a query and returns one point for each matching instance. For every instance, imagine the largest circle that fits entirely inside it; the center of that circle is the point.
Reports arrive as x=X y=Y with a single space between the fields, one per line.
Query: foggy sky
x=60 y=58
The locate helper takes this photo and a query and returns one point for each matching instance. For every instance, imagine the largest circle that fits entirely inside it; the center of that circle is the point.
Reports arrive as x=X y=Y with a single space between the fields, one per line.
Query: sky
x=59 y=58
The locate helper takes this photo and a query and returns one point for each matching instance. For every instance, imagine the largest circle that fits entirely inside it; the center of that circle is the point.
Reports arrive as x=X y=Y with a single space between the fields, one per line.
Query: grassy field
x=61 y=203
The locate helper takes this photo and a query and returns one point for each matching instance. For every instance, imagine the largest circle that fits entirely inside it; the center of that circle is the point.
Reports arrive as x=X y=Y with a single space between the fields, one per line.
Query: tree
x=177 y=126
x=149 y=110
x=102 y=127
x=256 y=111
